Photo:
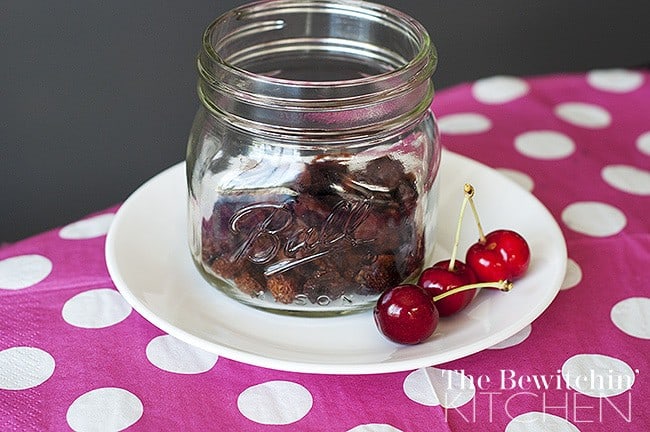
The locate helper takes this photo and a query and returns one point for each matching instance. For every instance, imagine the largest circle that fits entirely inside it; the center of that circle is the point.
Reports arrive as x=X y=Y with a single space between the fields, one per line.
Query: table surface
x=75 y=356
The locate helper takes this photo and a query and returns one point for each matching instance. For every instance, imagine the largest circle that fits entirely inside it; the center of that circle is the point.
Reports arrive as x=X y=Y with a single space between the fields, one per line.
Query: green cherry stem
x=454 y=252
x=469 y=193
x=504 y=285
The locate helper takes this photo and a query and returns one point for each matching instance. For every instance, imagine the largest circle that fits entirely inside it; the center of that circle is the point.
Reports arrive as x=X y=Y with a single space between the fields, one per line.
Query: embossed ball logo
x=262 y=242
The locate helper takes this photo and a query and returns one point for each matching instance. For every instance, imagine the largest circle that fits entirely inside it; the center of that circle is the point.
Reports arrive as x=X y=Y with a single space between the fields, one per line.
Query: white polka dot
x=499 y=89
x=544 y=144
x=87 y=228
x=584 y=115
x=464 y=123
x=595 y=219
x=573 y=275
x=522 y=179
x=632 y=316
x=172 y=355
x=275 y=402
x=24 y=367
x=104 y=409
x=97 y=308
x=643 y=143
x=597 y=375
x=536 y=421
x=615 y=80
x=432 y=387
x=23 y=271
x=374 y=427
x=627 y=179
x=515 y=339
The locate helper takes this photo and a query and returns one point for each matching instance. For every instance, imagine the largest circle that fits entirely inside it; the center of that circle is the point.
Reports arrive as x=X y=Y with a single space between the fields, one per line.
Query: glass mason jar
x=313 y=158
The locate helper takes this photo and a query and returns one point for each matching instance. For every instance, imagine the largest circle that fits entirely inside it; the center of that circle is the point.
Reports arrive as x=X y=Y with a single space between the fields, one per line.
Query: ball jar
x=313 y=158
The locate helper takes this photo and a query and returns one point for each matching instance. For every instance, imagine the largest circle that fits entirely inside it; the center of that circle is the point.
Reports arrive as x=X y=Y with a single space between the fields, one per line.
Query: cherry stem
x=454 y=252
x=504 y=285
x=469 y=193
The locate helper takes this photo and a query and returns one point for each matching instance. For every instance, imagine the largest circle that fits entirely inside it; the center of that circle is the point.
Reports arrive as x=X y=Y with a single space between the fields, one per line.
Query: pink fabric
x=590 y=165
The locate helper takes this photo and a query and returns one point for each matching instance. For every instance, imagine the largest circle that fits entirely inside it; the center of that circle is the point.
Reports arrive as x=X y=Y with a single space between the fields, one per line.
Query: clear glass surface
x=313 y=159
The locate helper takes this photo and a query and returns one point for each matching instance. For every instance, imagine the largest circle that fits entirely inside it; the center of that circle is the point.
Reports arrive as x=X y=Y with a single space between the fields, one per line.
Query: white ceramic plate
x=148 y=258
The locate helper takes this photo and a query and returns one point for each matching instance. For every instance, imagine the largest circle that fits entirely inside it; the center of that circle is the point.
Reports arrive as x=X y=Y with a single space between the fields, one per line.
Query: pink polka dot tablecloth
x=74 y=355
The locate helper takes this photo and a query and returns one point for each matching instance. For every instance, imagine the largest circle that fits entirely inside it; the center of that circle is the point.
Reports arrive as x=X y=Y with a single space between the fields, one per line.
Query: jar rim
x=422 y=64
x=254 y=58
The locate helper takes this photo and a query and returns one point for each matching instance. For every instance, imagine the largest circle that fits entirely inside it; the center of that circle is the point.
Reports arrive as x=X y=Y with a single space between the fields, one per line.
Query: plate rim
x=348 y=368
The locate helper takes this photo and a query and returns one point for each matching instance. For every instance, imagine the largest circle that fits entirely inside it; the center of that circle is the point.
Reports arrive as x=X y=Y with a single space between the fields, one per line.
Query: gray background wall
x=97 y=97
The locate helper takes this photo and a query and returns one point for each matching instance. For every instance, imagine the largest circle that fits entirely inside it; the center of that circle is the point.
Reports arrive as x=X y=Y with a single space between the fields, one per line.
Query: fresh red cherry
x=406 y=314
x=446 y=275
x=500 y=255
x=441 y=277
